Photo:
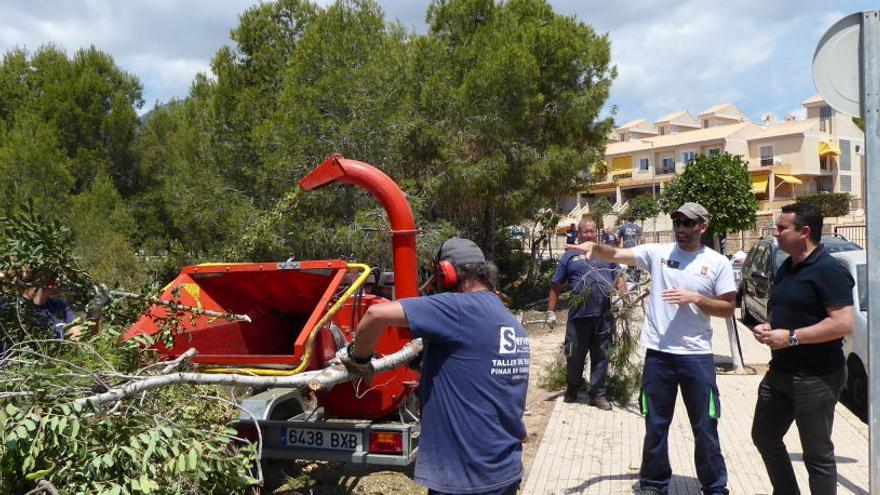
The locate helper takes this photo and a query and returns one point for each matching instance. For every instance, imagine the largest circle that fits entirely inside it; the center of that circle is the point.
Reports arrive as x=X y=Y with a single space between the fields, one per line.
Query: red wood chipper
x=300 y=313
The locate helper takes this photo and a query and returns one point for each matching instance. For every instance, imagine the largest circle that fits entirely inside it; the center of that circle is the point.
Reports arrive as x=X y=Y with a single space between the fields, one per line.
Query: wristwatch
x=792 y=338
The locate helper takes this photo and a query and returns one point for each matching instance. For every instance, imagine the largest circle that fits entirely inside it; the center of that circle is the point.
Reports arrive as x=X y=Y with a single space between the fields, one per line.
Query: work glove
x=96 y=306
x=550 y=320
x=356 y=367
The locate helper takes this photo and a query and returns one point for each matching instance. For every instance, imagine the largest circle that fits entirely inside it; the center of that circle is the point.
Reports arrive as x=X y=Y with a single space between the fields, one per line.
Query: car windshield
x=862 y=284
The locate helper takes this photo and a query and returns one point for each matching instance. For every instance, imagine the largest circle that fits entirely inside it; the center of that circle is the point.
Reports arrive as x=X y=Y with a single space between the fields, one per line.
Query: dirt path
x=329 y=478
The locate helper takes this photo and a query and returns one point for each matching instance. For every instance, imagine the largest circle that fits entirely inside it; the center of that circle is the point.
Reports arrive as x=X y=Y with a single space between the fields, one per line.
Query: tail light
x=386 y=442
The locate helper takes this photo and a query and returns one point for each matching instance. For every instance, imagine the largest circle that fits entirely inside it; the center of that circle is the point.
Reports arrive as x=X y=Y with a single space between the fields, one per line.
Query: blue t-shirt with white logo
x=590 y=281
x=475 y=374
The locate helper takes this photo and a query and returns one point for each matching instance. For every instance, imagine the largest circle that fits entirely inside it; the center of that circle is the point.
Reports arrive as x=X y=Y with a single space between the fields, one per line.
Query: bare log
x=320 y=379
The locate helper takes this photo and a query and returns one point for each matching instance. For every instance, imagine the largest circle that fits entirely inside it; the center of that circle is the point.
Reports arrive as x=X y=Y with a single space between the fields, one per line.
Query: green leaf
x=146 y=484
x=181 y=463
x=191 y=458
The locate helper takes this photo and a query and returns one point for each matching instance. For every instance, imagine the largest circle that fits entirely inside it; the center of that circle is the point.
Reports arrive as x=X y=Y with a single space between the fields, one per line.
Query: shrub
x=831 y=204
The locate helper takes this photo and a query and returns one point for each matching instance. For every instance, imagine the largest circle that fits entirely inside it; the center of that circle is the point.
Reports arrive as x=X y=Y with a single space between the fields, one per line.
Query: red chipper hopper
x=287 y=301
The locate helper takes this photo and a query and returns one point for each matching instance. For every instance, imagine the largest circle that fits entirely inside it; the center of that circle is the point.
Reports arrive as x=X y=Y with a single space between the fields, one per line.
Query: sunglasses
x=685 y=222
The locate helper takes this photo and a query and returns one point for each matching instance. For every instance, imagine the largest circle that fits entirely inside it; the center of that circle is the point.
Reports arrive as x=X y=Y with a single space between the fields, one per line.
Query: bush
x=831 y=204
x=641 y=208
x=167 y=441
x=598 y=209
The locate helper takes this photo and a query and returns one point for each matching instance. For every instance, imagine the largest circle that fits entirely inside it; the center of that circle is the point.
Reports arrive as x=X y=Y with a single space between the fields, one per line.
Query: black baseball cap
x=459 y=251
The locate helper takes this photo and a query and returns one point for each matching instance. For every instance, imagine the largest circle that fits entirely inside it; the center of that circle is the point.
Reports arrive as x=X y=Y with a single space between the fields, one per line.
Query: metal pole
x=735 y=349
x=870 y=75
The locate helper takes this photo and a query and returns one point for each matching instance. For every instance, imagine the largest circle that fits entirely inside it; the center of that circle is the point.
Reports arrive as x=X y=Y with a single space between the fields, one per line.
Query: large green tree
x=86 y=99
x=509 y=94
x=722 y=184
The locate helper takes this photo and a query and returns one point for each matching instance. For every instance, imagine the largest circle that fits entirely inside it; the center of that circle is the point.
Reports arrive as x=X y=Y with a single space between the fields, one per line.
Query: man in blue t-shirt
x=475 y=374
x=48 y=308
x=589 y=316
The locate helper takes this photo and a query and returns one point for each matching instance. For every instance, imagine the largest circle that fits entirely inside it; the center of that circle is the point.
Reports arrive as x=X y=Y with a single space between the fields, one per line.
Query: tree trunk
x=489 y=229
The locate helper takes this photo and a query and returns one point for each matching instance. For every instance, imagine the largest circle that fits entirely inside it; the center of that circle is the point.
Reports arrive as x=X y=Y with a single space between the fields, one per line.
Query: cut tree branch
x=316 y=380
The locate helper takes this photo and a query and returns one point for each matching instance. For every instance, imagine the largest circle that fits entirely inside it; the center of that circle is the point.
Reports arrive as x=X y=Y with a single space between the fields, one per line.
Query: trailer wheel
x=274 y=470
x=274 y=474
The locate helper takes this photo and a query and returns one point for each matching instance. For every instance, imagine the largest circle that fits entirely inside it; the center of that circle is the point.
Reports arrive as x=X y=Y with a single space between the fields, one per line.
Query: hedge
x=831 y=204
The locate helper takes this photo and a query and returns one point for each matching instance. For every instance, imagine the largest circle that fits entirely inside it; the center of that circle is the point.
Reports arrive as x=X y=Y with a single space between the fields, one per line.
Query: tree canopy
x=722 y=184
x=483 y=120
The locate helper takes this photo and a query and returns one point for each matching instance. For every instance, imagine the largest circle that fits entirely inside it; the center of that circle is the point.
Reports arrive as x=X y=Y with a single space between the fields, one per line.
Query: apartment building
x=823 y=152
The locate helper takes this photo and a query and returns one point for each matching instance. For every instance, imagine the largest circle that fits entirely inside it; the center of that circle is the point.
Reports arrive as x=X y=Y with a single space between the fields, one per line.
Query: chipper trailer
x=300 y=314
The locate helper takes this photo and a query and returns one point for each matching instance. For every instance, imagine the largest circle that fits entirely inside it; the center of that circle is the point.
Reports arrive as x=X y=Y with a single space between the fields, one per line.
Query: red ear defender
x=446 y=275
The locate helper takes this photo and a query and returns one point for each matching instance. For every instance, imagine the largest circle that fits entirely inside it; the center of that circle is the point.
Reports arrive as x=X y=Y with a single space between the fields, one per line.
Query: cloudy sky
x=671 y=55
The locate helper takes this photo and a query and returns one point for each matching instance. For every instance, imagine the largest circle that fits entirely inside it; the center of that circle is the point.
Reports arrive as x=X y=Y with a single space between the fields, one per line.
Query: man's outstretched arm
x=604 y=252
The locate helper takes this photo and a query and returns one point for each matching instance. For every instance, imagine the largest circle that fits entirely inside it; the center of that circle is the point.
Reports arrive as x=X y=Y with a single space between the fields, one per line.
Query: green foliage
x=598 y=209
x=33 y=250
x=33 y=168
x=510 y=93
x=103 y=225
x=624 y=367
x=831 y=204
x=168 y=441
x=642 y=207
x=721 y=183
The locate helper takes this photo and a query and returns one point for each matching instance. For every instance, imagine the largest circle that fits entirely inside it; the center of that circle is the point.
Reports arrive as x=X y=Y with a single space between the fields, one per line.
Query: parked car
x=736 y=262
x=758 y=271
x=855 y=346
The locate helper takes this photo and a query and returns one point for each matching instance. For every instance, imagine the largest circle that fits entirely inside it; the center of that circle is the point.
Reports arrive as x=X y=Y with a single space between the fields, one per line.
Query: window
x=766 y=155
x=705 y=123
x=687 y=156
x=825 y=163
x=845 y=183
x=845 y=156
x=668 y=165
x=714 y=151
x=858 y=149
x=663 y=131
x=824 y=184
x=644 y=164
x=825 y=119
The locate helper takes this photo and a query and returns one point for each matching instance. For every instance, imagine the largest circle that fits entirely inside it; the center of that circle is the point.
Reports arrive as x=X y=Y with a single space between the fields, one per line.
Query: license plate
x=321 y=439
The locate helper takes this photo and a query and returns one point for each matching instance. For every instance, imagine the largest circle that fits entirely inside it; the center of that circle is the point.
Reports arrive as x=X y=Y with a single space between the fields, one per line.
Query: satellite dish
x=836 y=65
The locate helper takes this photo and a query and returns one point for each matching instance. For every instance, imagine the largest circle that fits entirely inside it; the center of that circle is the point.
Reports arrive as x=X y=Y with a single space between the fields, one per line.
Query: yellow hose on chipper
x=307 y=357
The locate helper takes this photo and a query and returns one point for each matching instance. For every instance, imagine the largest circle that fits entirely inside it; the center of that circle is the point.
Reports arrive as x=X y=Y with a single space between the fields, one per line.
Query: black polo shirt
x=799 y=298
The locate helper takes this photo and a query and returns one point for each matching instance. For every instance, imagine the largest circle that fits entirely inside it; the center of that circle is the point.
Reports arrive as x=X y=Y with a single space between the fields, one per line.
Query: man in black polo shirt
x=811 y=310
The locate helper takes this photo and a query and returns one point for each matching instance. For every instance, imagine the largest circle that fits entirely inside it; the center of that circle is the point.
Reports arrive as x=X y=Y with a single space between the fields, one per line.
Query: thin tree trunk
x=491 y=225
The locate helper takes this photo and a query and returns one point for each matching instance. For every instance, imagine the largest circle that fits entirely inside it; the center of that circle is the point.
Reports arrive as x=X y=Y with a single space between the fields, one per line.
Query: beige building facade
x=787 y=159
